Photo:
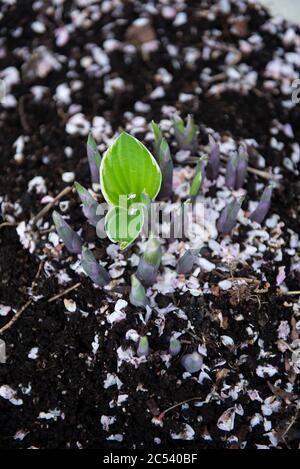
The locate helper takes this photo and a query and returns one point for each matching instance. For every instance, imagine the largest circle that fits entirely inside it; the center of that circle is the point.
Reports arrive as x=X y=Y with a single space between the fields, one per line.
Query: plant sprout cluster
x=129 y=170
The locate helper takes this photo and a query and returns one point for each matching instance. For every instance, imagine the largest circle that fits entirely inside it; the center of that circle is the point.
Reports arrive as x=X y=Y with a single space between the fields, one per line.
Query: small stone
x=70 y=305
x=78 y=125
x=227 y=341
x=68 y=177
x=33 y=354
x=38 y=27
x=225 y=285
x=4 y=310
x=157 y=93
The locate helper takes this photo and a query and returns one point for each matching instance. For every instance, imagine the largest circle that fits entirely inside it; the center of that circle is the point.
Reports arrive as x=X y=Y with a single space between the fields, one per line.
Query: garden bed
x=71 y=378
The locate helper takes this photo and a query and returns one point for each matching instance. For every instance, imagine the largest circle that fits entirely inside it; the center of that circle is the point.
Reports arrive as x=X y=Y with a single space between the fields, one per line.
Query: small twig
x=48 y=207
x=218 y=77
x=65 y=292
x=292 y=423
x=290 y=293
x=16 y=316
x=6 y=223
x=258 y=172
x=289 y=427
x=162 y=414
x=34 y=284
x=192 y=335
x=26 y=305
x=245 y=279
x=281 y=341
x=43 y=232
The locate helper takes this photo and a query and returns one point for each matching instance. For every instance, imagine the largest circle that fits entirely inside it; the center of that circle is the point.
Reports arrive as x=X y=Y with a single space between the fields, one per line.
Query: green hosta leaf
x=129 y=169
x=124 y=226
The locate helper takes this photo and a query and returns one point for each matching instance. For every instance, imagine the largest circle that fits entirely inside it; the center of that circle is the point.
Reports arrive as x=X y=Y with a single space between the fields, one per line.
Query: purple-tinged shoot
x=237 y=167
x=228 y=217
x=175 y=346
x=71 y=239
x=192 y=362
x=242 y=167
x=94 y=159
x=93 y=269
x=263 y=206
x=213 y=165
x=89 y=205
x=166 y=166
x=230 y=177
x=186 y=262
x=198 y=178
x=137 y=295
x=150 y=262
x=143 y=349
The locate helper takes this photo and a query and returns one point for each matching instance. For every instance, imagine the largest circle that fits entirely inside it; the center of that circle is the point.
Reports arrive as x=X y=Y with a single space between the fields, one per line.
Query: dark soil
x=66 y=375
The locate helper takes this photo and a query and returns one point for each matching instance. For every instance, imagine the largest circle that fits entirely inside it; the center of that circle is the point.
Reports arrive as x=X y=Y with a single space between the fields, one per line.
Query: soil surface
x=71 y=377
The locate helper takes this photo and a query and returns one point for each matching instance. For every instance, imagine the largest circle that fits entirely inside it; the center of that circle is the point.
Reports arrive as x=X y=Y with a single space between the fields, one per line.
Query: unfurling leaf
x=198 y=178
x=93 y=269
x=137 y=295
x=228 y=217
x=192 y=362
x=128 y=169
x=89 y=204
x=94 y=159
x=70 y=238
x=149 y=263
x=213 y=165
x=263 y=206
x=143 y=347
